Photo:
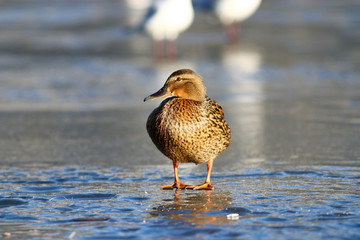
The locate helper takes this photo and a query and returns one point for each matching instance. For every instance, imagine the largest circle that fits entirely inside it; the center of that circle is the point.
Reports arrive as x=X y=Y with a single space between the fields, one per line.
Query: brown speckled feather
x=186 y=130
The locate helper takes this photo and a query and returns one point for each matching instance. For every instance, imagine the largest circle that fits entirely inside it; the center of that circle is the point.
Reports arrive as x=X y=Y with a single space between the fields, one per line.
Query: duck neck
x=195 y=91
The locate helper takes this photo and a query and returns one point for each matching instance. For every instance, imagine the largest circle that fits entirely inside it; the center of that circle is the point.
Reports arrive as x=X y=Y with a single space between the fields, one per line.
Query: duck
x=164 y=21
x=188 y=126
x=232 y=12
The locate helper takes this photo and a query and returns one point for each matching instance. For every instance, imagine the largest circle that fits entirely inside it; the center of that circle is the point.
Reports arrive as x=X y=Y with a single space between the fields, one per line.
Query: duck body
x=185 y=130
x=188 y=127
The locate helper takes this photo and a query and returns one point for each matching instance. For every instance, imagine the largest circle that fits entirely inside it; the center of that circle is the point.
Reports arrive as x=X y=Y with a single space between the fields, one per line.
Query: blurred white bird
x=164 y=21
x=231 y=12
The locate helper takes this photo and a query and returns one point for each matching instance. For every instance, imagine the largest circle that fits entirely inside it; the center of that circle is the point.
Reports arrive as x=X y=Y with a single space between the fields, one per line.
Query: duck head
x=183 y=83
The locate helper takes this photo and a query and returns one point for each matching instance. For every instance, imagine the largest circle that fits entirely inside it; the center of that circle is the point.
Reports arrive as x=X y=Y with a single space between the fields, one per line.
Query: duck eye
x=178 y=79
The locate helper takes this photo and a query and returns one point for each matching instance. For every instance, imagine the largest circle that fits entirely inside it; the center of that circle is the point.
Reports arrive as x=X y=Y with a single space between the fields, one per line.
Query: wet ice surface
x=316 y=202
x=76 y=161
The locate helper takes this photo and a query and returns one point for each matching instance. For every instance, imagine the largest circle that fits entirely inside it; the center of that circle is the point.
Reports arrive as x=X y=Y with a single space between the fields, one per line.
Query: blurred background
x=293 y=61
x=81 y=55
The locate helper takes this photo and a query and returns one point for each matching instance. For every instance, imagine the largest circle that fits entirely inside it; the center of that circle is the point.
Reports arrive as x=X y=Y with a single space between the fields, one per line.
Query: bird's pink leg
x=171 y=49
x=158 y=50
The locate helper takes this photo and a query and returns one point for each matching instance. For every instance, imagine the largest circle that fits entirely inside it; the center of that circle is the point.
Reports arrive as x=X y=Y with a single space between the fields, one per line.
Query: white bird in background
x=164 y=21
x=231 y=12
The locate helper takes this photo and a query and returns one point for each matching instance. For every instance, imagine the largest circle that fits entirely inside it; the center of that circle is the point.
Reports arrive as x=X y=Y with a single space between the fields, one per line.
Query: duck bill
x=163 y=92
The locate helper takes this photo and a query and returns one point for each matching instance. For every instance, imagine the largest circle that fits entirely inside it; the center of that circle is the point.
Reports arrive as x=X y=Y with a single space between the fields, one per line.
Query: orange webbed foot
x=205 y=186
x=177 y=185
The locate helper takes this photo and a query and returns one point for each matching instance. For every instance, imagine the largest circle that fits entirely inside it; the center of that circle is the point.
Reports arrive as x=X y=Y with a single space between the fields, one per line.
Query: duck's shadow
x=198 y=207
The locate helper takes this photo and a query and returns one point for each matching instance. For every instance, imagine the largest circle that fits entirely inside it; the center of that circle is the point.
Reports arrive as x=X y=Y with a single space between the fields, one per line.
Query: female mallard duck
x=189 y=126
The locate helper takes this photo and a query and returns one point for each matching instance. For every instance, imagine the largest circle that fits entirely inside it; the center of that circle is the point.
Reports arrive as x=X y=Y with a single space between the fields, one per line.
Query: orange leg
x=177 y=183
x=206 y=185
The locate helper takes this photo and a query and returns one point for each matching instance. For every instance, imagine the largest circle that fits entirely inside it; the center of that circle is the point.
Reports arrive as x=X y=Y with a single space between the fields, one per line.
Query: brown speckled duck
x=189 y=126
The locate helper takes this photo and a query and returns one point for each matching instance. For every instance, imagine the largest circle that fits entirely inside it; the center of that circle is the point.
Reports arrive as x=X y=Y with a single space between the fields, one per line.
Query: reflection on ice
x=242 y=59
x=241 y=67
x=204 y=207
